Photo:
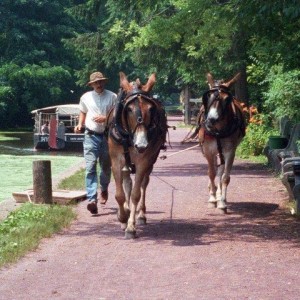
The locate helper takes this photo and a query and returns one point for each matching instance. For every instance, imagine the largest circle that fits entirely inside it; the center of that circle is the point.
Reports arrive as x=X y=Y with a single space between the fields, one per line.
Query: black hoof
x=141 y=221
x=222 y=211
x=130 y=235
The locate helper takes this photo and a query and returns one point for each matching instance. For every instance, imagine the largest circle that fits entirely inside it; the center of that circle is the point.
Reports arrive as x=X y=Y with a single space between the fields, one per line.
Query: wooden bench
x=291 y=179
x=285 y=127
x=276 y=156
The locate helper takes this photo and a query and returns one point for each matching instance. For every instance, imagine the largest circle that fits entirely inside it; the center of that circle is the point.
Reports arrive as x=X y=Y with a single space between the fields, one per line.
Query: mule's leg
x=212 y=201
x=225 y=179
x=221 y=202
x=127 y=185
x=220 y=173
x=123 y=211
x=130 y=231
x=141 y=219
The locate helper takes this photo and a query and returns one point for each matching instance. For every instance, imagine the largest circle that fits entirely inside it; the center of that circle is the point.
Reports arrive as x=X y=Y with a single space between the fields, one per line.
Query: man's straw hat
x=96 y=76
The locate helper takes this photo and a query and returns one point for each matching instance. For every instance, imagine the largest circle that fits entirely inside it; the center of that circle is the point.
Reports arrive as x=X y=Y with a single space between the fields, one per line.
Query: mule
x=137 y=129
x=221 y=129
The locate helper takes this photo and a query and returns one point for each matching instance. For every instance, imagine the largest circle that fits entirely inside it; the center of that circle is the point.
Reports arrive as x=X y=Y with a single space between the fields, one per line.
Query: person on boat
x=45 y=128
x=94 y=105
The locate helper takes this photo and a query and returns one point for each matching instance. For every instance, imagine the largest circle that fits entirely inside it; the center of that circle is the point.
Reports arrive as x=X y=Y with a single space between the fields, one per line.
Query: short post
x=42 y=182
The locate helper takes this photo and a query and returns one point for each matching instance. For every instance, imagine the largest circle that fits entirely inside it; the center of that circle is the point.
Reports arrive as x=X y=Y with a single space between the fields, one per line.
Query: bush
x=257 y=135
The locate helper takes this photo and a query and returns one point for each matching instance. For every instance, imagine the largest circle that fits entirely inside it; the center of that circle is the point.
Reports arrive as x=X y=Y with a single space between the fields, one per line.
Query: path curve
x=186 y=251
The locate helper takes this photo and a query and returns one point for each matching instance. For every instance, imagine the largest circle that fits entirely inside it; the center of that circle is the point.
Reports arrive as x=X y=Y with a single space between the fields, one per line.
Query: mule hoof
x=212 y=204
x=123 y=226
x=123 y=218
x=130 y=235
x=222 y=211
x=141 y=221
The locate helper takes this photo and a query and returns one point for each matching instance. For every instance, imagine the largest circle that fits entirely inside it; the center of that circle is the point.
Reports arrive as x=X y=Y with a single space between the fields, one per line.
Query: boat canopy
x=65 y=109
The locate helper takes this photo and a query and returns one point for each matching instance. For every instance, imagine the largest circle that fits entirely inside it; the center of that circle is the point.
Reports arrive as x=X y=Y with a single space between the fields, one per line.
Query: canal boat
x=54 y=128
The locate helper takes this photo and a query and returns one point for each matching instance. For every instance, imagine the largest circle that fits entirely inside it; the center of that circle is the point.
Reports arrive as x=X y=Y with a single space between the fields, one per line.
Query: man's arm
x=81 y=121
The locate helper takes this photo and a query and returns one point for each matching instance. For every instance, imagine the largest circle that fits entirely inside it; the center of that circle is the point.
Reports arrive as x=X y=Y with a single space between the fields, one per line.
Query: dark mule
x=137 y=130
x=221 y=129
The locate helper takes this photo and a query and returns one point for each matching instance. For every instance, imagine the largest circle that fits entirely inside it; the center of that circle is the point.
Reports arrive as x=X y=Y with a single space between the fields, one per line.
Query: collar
x=101 y=94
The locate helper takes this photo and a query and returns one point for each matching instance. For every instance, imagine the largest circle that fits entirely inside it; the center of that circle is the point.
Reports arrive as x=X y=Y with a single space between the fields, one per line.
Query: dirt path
x=187 y=251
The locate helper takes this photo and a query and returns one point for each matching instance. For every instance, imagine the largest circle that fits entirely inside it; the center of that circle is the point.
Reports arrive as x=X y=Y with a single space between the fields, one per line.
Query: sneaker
x=103 y=197
x=92 y=207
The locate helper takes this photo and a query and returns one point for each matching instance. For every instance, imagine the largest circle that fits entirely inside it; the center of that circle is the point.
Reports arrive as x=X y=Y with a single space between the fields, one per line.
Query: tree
x=35 y=68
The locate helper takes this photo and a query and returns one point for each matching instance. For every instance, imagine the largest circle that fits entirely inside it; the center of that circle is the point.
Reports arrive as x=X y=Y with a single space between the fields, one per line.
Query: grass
x=23 y=229
x=74 y=182
x=261 y=159
x=5 y=138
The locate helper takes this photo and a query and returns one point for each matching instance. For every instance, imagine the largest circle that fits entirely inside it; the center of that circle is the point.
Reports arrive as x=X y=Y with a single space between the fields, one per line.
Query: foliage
x=36 y=69
x=23 y=229
x=65 y=40
x=283 y=94
x=256 y=138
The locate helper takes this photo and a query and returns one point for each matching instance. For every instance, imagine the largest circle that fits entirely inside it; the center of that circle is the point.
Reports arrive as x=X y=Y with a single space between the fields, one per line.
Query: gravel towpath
x=186 y=251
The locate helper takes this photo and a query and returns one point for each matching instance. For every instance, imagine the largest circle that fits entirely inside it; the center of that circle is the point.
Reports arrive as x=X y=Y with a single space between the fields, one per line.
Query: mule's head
x=138 y=110
x=217 y=102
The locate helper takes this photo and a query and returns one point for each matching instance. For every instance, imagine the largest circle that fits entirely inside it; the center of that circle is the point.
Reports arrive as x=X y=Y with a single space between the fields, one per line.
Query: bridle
x=119 y=129
x=226 y=105
x=135 y=98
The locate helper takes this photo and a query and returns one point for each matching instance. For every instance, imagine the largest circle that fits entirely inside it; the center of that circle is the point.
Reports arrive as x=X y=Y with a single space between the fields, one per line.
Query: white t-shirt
x=92 y=104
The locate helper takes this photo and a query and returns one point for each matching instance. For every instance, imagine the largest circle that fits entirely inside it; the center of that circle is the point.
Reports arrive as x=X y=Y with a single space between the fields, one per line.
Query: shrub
x=257 y=134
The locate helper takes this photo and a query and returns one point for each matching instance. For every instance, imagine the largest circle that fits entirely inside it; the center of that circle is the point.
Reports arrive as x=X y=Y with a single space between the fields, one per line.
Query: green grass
x=262 y=159
x=16 y=171
x=23 y=229
x=5 y=138
x=74 y=182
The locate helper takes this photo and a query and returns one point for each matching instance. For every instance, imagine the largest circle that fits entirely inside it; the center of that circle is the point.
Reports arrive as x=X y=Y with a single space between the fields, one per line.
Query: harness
x=237 y=122
x=121 y=133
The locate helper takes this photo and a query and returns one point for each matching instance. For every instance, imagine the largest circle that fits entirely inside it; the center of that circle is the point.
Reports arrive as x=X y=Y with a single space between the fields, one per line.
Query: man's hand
x=99 y=119
x=77 y=129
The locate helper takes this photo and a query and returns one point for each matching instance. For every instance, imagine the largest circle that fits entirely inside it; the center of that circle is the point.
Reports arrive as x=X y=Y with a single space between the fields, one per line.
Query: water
x=17 y=156
x=22 y=144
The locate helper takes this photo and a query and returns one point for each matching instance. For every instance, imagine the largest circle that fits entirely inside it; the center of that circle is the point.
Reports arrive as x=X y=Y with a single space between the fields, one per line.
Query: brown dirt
x=186 y=251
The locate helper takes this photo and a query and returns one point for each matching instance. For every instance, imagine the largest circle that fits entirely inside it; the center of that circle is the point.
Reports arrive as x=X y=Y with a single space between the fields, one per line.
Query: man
x=94 y=105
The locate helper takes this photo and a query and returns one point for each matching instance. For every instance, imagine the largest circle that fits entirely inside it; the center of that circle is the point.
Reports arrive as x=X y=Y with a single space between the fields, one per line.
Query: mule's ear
x=124 y=83
x=210 y=80
x=149 y=85
x=229 y=83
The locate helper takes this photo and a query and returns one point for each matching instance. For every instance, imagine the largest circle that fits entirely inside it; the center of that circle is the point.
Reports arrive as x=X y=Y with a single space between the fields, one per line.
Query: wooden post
x=42 y=182
x=187 y=108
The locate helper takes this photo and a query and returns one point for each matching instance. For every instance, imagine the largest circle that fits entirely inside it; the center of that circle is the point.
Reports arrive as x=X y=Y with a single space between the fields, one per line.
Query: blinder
x=213 y=95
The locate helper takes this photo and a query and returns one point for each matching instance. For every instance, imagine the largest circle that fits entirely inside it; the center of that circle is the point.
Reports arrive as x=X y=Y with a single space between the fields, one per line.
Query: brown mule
x=136 y=131
x=222 y=127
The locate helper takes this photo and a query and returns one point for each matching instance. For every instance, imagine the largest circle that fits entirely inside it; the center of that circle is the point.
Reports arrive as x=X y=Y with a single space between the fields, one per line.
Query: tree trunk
x=187 y=109
x=241 y=87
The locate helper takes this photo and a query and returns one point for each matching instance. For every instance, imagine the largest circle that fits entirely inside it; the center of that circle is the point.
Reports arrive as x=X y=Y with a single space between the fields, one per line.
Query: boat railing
x=69 y=121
